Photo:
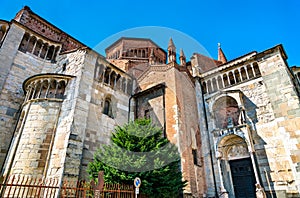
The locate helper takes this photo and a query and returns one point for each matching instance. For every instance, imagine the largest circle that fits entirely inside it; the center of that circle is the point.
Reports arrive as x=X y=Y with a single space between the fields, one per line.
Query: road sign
x=137 y=191
x=137 y=182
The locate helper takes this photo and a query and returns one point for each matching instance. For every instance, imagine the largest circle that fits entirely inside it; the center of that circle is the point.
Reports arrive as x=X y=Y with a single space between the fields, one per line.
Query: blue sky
x=240 y=26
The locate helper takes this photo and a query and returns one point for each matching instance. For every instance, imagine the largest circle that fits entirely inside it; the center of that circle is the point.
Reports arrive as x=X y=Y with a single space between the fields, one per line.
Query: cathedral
x=236 y=123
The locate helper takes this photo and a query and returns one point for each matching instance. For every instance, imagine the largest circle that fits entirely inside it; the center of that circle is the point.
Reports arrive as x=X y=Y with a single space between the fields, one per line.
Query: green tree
x=138 y=149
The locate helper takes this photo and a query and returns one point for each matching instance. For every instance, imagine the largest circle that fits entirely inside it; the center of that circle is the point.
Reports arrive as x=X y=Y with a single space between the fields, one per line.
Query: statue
x=260 y=193
x=229 y=122
x=223 y=192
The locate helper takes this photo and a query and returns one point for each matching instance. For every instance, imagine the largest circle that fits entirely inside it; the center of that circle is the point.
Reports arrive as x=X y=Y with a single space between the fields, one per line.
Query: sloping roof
x=206 y=63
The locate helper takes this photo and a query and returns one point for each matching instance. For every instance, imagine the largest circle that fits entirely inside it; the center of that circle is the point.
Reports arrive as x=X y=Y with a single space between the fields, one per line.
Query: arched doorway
x=236 y=167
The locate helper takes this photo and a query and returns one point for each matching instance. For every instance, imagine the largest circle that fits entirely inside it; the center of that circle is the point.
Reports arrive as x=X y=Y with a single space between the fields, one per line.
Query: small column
x=126 y=81
x=46 y=53
x=56 y=88
x=254 y=74
x=34 y=90
x=206 y=87
x=103 y=74
x=246 y=73
x=39 y=55
x=26 y=47
x=34 y=46
x=234 y=76
x=40 y=91
x=223 y=81
x=49 y=84
x=28 y=93
x=217 y=83
x=54 y=49
x=109 y=76
x=115 y=82
x=241 y=77
x=223 y=192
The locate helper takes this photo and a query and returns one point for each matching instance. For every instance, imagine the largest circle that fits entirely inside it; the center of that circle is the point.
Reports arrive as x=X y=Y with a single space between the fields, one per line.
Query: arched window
x=38 y=47
x=214 y=82
x=107 y=110
x=220 y=83
x=237 y=76
x=204 y=87
x=209 y=88
x=243 y=73
x=226 y=112
x=113 y=79
x=31 y=44
x=225 y=80
x=231 y=78
x=250 y=71
x=2 y=32
x=256 y=69
x=24 y=42
x=129 y=87
x=107 y=76
x=44 y=51
x=143 y=54
x=50 y=53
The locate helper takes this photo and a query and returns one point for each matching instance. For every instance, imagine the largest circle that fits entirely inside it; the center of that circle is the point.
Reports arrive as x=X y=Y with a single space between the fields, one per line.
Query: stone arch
x=237 y=76
x=52 y=89
x=209 y=87
x=129 y=86
x=2 y=32
x=250 y=71
x=220 y=83
x=44 y=51
x=214 y=84
x=31 y=44
x=226 y=112
x=24 y=42
x=113 y=79
x=256 y=69
x=232 y=147
x=225 y=80
x=231 y=78
x=107 y=75
x=44 y=87
x=243 y=73
x=38 y=88
x=50 y=53
x=60 y=90
x=38 y=46
x=124 y=84
x=107 y=106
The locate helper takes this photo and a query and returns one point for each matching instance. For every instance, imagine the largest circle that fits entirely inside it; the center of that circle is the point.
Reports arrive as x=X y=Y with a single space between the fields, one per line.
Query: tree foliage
x=138 y=149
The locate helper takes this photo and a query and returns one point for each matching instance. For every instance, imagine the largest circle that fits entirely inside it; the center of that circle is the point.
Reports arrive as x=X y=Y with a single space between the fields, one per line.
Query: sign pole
x=137 y=183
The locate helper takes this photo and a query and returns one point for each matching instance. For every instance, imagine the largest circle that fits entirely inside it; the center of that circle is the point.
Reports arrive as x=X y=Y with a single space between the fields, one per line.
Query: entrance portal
x=243 y=178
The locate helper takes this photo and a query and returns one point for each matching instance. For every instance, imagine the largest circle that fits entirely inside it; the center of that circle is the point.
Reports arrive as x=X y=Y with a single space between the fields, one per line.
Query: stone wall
x=272 y=112
x=33 y=140
x=15 y=67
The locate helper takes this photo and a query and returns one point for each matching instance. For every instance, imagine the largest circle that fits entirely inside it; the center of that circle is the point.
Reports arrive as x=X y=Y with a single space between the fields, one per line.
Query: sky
x=195 y=25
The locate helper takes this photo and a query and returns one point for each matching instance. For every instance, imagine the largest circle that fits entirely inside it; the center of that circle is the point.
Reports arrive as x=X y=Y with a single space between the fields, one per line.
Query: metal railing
x=19 y=186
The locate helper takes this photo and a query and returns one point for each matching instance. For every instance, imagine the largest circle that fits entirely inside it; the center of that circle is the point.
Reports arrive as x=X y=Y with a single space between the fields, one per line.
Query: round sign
x=137 y=182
